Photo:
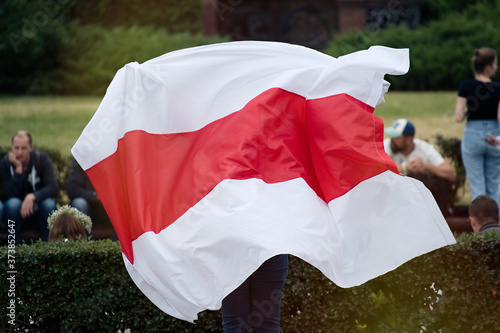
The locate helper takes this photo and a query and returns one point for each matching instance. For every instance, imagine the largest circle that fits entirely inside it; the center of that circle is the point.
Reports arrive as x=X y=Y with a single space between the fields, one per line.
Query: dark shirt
x=491 y=226
x=79 y=185
x=39 y=178
x=482 y=99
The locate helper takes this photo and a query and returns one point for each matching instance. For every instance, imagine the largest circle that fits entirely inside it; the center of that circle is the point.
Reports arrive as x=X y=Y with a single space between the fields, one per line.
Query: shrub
x=450 y=149
x=84 y=287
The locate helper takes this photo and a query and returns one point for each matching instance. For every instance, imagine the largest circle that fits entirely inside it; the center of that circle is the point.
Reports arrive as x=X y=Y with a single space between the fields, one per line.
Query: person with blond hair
x=478 y=102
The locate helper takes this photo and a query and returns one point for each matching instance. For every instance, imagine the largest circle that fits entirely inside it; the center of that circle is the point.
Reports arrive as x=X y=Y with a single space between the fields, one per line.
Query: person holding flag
x=214 y=161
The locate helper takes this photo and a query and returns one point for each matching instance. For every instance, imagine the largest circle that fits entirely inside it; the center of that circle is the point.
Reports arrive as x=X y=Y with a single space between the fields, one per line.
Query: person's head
x=68 y=223
x=67 y=227
x=484 y=61
x=482 y=210
x=401 y=133
x=22 y=146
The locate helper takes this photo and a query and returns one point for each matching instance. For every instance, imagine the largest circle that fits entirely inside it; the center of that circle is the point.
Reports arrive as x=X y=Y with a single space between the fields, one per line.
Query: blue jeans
x=481 y=161
x=82 y=205
x=12 y=211
x=256 y=303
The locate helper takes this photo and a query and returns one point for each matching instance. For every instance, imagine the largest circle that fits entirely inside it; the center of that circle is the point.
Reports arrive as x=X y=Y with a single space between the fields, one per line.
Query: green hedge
x=84 y=287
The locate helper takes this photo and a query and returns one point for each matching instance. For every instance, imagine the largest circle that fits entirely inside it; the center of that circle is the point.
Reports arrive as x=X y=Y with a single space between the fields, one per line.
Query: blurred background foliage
x=75 y=47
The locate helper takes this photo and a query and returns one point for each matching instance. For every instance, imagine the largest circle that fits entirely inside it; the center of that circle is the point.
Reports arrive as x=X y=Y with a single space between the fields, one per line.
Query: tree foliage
x=30 y=35
x=35 y=37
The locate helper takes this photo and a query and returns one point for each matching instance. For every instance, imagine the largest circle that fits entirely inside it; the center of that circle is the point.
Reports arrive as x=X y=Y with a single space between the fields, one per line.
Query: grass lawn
x=54 y=122
x=431 y=112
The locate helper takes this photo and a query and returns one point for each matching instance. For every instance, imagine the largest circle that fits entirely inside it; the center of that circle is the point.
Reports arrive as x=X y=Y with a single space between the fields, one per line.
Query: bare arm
x=461 y=108
x=498 y=112
x=443 y=170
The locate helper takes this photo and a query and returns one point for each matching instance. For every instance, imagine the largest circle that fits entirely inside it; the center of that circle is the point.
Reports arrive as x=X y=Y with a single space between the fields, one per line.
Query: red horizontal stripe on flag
x=346 y=144
x=153 y=179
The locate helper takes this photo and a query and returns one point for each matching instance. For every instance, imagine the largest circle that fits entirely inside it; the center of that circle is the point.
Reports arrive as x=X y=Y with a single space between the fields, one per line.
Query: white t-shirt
x=423 y=149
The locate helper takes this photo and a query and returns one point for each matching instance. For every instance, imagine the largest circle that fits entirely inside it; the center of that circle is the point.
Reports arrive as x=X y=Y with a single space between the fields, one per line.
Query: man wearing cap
x=419 y=159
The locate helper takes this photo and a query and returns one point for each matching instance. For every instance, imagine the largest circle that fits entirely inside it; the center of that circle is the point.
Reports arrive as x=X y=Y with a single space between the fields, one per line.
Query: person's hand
x=491 y=140
x=416 y=165
x=17 y=164
x=28 y=206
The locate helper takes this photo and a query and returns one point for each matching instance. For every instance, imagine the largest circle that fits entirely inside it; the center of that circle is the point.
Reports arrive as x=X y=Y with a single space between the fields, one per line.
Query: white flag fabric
x=213 y=159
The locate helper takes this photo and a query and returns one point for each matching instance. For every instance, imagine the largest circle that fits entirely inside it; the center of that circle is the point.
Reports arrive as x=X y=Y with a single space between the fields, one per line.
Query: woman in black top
x=478 y=102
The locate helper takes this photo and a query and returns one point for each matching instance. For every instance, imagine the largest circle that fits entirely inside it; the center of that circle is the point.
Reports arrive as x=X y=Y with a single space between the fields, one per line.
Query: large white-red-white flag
x=212 y=159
